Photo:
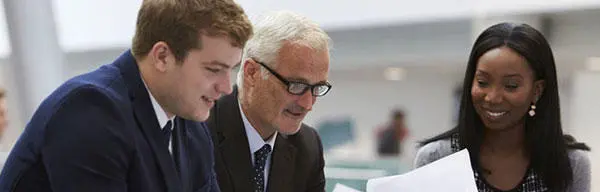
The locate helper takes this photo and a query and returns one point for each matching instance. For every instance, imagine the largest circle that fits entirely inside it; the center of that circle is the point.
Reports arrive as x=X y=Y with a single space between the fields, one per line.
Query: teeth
x=496 y=114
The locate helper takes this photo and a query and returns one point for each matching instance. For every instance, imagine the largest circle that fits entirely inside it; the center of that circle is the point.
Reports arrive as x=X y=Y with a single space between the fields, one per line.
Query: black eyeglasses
x=299 y=88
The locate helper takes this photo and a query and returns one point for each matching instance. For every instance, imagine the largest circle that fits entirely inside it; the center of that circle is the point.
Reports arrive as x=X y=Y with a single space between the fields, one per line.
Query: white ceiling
x=446 y=44
x=441 y=46
x=95 y=25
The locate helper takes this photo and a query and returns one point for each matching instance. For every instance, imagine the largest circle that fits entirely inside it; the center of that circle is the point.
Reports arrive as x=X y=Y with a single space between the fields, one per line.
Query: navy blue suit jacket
x=99 y=132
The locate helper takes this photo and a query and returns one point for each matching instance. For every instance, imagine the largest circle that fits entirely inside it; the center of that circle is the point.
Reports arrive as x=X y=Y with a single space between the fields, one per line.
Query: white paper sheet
x=343 y=188
x=452 y=173
x=372 y=183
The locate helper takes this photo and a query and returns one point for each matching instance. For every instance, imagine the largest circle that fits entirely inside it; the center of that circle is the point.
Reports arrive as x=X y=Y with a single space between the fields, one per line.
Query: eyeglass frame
x=288 y=83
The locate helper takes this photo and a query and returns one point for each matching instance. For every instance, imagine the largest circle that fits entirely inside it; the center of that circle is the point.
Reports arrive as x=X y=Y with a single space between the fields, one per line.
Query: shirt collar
x=161 y=115
x=254 y=139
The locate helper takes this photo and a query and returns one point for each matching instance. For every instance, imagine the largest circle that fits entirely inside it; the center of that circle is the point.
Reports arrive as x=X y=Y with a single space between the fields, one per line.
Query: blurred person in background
x=3 y=113
x=3 y=124
x=510 y=118
x=133 y=125
x=261 y=143
x=391 y=136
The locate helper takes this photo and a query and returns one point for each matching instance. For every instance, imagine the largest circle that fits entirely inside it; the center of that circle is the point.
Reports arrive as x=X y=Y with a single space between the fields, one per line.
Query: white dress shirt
x=162 y=117
x=256 y=142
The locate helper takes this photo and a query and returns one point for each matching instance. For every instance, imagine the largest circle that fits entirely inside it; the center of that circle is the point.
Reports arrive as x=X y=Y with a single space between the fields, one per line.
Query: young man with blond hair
x=133 y=125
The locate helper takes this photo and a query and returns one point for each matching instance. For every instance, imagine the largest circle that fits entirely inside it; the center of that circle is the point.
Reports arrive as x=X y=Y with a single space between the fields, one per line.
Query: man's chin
x=200 y=117
x=203 y=117
x=291 y=130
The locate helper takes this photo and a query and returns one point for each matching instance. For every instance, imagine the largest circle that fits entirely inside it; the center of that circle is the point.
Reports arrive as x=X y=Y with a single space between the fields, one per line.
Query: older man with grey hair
x=260 y=141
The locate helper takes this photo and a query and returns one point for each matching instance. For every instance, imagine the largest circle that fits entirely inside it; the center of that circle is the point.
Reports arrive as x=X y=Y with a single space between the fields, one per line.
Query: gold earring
x=532 y=110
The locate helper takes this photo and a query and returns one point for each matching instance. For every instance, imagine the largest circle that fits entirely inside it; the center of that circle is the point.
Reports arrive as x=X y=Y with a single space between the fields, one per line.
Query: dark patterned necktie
x=260 y=158
x=167 y=133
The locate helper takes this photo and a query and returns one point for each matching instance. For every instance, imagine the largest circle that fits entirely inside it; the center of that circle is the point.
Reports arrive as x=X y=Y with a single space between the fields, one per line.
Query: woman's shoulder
x=580 y=160
x=433 y=151
x=580 y=164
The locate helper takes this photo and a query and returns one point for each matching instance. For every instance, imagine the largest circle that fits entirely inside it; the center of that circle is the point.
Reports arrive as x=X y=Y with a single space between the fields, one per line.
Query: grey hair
x=272 y=30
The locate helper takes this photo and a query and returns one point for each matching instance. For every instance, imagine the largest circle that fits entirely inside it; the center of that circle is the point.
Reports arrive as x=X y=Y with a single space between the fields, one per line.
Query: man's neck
x=148 y=80
x=264 y=132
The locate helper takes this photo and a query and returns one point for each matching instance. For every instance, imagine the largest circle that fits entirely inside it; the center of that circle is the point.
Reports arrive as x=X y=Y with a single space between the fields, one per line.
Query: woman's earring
x=532 y=110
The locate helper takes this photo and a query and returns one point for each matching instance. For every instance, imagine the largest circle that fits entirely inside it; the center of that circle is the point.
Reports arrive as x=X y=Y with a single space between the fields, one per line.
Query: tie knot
x=166 y=130
x=263 y=151
x=168 y=125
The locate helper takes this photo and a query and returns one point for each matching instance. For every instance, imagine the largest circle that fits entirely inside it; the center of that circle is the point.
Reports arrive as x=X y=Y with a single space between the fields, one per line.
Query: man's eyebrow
x=303 y=80
x=221 y=64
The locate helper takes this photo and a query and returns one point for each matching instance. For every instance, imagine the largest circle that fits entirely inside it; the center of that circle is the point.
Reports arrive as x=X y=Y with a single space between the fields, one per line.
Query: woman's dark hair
x=545 y=142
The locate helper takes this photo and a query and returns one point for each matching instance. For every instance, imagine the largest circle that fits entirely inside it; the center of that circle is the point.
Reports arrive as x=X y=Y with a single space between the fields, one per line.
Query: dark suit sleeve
x=213 y=180
x=85 y=146
x=317 y=180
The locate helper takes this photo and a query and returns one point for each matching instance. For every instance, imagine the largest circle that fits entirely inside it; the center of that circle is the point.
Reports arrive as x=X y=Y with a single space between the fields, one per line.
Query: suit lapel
x=237 y=160
x=282 y=165
x=146 y=118
x=233 y=144
x=181 y=150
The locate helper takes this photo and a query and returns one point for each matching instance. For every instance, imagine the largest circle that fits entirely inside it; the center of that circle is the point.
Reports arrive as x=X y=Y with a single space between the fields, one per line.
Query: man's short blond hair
x=180 y=23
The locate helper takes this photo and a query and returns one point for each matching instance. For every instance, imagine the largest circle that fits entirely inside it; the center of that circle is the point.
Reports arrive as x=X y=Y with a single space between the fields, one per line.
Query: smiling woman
x=503 y=89
x=510 y=118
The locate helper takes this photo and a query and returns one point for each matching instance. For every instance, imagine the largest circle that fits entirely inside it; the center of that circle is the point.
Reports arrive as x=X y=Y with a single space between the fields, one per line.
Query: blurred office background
x=387 y=55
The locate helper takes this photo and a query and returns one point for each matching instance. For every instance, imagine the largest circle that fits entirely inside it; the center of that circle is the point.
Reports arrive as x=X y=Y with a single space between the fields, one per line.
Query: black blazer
x=296 y=164
x=99 y=132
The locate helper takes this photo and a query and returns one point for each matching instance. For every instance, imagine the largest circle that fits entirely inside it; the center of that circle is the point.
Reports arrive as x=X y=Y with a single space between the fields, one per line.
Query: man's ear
x=161 y=55
x=251 y=72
